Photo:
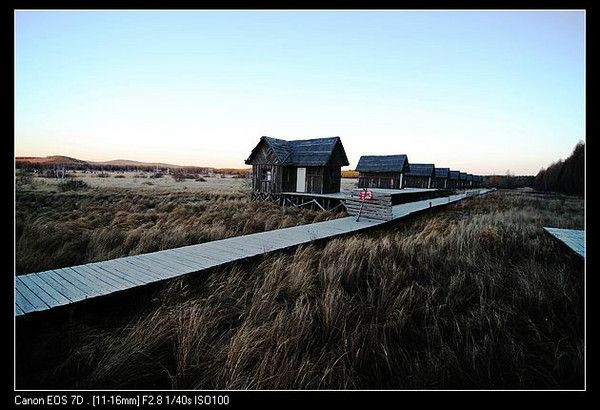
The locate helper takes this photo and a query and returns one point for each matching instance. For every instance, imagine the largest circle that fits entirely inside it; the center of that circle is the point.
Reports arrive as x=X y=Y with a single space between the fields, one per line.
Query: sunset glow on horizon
x=481 y=91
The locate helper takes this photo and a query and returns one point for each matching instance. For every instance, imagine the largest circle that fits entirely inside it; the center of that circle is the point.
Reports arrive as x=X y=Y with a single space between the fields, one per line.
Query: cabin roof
x=310 y=152
x=442 y=172
x=421 y=170
x=454 y=175
x=382 y=163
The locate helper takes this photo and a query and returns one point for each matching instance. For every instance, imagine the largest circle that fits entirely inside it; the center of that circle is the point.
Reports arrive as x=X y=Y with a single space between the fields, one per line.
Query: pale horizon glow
x=479 y=91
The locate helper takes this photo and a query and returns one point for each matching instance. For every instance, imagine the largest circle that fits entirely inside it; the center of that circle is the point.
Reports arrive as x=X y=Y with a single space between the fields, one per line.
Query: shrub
x=179 y=176
x=72 y=185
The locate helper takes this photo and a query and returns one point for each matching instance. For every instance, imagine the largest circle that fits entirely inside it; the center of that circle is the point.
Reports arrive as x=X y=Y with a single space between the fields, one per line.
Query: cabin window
x=266 y=174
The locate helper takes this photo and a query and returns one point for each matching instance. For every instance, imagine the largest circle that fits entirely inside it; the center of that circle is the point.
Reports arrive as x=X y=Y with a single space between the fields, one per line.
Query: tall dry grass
x=58 y=229
x=471 y=296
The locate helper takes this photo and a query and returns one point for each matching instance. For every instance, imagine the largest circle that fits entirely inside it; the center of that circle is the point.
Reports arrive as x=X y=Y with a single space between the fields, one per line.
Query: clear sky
x=482 y=91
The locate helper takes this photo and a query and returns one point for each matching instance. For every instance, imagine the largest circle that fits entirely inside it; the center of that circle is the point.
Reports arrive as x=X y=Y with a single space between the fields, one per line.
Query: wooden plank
x=55 y=293
x=125 y=280
x=202 y=262
x=208 y=251
x=129 y=269
x=18 y=311
x=92 y=281
x=106 y=276
x=249 y=244
x=230 y=250
x=141 y=261
x=170 y=260
x=223 y=248
x=39 y=291
x=65 y=288
x=203 y=257
x=126 y=271
x=73 y=280
x=137 y=263
x=34 y=300
x=22 y=302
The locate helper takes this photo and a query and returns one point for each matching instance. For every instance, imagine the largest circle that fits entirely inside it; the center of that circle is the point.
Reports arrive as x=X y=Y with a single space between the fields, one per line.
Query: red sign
x=365 y=195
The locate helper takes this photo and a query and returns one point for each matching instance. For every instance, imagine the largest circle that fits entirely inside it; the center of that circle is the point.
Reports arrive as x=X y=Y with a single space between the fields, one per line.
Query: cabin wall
x=288 y=179
x=439 y=183
x=452 y=183
x=314 y=180
x=383 y=180
x=266 y=178
x=332 y=177
x=416 y=181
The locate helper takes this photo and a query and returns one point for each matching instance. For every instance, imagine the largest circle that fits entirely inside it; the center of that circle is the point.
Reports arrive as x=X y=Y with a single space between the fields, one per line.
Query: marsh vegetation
x=474 y=295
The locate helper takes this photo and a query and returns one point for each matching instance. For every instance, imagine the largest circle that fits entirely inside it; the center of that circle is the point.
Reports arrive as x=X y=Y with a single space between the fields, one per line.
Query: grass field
x=475 y=295
x=115 y=218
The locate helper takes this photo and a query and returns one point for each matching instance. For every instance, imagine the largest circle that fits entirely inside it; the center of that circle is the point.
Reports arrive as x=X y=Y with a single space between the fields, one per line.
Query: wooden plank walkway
x=573 y=238
x=45 y=290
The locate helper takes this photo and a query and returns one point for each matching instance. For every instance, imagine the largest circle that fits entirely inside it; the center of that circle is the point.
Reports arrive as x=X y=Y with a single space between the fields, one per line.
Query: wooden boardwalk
x=45 y=290
x=573 y=238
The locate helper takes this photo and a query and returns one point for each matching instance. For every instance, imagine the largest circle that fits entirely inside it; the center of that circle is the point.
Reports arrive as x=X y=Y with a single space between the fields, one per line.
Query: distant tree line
x=241 y=172
x=564 y=176
x=508 y=181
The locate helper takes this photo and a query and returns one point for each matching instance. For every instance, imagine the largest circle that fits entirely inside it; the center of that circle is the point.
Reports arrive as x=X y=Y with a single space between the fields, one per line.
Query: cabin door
x=301 y=180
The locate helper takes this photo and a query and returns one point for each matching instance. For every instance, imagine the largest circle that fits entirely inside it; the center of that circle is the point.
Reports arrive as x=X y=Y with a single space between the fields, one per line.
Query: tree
x=566 y=176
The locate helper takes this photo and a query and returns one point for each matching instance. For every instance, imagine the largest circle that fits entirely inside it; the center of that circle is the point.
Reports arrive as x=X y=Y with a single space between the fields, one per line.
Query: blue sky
x=481 y=91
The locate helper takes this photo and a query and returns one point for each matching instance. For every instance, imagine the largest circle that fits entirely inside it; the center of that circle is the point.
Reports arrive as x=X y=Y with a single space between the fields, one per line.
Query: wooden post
x=362 y=203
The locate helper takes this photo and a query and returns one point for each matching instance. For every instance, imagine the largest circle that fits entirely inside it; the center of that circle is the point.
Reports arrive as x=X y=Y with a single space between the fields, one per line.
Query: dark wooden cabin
x=311 y=166
x=462 y=181
x=382 y=171
x=477 y=180
x=453 y=179
x=469 y=180
x=440 y=178
x=419 y=176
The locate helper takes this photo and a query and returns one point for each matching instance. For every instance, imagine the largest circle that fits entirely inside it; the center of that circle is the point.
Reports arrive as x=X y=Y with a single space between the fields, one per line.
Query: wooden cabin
x=382 y=171
x=419 y=176
x=462 y=180
x=469 y=180
x=477 y=180
x=440 y=178
x=453 y=179
x=311 y=166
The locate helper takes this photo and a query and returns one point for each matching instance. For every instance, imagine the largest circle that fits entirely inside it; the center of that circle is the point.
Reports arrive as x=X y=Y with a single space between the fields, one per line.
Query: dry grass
x=136 y=181
x=472 y=296
x=56 y=229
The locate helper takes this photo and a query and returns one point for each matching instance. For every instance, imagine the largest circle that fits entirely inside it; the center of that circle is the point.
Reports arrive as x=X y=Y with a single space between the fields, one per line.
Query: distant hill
x=53 y=159
x=64 y=160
